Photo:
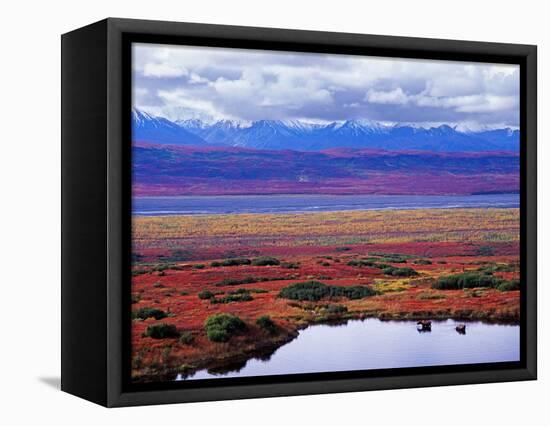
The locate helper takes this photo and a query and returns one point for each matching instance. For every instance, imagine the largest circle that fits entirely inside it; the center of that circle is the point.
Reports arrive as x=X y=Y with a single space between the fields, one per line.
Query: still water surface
x=234 y=204
x=375 y=344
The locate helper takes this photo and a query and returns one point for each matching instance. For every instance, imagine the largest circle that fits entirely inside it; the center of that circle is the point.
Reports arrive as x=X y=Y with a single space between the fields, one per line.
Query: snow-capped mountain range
x=302 y=136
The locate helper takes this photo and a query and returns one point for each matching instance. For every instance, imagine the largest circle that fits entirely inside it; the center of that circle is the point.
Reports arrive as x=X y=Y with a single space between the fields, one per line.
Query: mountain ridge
x=303 y=136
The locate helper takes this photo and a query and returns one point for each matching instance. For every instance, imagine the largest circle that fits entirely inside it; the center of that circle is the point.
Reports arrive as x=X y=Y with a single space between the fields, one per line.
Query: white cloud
x=160 y=70
x=469 y=104
x=180 y=102
x=253 y=84
x=194 y=78
x=392 y=97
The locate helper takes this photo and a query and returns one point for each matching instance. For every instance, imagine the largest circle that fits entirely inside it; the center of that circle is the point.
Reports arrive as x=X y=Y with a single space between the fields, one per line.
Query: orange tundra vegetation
x=206 y=290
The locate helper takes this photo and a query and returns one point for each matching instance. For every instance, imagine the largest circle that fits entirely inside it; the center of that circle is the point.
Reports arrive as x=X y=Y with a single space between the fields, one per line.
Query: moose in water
x=461 y=328
x=424 y=325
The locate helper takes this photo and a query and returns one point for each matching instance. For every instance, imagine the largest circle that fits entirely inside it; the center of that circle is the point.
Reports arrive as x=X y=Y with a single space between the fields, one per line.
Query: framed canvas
x=254 y=212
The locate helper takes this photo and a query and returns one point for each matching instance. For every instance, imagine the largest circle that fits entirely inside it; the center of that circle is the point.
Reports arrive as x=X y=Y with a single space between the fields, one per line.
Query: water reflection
x=374 y=344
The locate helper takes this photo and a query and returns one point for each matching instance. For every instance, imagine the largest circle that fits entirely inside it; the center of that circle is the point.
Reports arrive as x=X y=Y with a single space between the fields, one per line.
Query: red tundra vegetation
x=212 y=291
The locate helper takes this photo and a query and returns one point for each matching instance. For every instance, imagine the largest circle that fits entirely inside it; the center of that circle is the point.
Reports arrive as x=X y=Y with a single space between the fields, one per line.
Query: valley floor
x=244 y=261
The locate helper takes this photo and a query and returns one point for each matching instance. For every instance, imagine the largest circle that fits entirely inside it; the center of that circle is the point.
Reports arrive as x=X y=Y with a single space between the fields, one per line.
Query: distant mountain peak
x=303 y=136
x=149 y=128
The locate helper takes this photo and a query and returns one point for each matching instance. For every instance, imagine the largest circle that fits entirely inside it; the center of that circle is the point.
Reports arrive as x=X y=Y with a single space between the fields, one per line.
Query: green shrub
x=237 y=281
x=500 y=267
x=267 y=324
x=186 y=338
x=485 y=251
x=232 y=262
x=309 y=290
x=343 y=248
x=221 y=327
x=247 y=280
x=315 y=290
x=199 y=266
x=290 y=265
x=161 y=331
x=352 y=292
x=145 y=313
x=206 y=294
x=430 y=296
x=233 y=297
x=361 y=263
x=400 y=272
x=336 y=309
x=165 y=267
x=393 y=259
x=422 y=262
x=137 y=272
x=509 y=285
x=158 y=285
x=240 y=291
x=265 y=261
x=368 y=263
x=387 y=257
x=466 y=280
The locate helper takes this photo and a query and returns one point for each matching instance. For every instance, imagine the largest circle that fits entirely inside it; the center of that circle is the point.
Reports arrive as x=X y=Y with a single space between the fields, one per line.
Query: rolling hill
x=185 y=170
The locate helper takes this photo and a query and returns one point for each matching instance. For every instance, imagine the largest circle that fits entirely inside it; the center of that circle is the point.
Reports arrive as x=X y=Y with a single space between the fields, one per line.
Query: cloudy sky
x=181 y=82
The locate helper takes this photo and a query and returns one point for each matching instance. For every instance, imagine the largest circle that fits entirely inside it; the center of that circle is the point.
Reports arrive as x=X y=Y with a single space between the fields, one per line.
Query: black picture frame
x=96 y=200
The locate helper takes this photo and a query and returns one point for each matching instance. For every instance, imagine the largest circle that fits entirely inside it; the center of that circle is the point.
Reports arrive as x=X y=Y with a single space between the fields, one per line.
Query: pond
x=375 y=344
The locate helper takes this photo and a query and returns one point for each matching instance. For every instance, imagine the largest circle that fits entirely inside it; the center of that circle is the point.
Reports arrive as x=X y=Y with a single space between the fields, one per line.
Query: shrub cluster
x=266 y=323
x=231 y=262
x=186 y=338
x=161 y=331
x=136 y=272
x=485 y=251
x=221 y=327
x=392 y=257
x=248 y=280
x=206 y=294
x=243 y=296
x=336 y=309
x=315 y=290
x=368 y=263
x=145 y=313
x=422 y=262
x=360 y=263
x=265 y=261
x=400 y=272
x=430 y=296
x=496 y=267
x=509 y=285
x=466 y=280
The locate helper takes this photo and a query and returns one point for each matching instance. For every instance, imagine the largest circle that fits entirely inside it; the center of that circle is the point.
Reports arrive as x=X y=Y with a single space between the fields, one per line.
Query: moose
x=424 y=325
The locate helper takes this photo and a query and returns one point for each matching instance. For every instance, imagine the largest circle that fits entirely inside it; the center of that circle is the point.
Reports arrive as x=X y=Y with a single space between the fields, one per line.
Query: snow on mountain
x=302 y=136
x=148 y=128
